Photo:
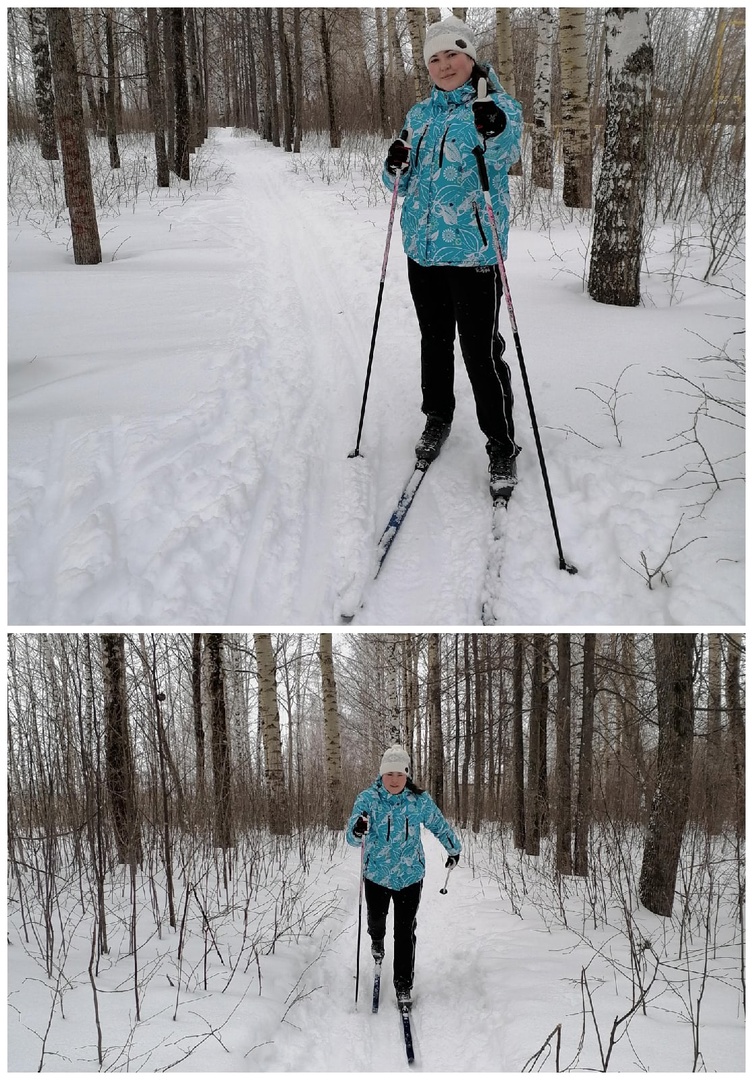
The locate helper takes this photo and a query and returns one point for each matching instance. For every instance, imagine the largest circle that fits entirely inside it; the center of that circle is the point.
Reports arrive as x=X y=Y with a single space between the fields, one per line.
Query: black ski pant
x=404 y=907
x=466 y=299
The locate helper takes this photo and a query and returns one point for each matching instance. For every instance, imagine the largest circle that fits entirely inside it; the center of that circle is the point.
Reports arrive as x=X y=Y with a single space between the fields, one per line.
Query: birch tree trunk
x=416 y=29
x=617 y=248
x=43 y=92
x=270 y=722
x=506 y=65
x=331 y=734
x=541 y=167
x=576 y=116
x=74 y=148
x=674 y=655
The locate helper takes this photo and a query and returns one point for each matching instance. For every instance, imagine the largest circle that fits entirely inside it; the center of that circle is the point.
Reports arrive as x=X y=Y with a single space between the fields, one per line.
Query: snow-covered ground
x=180 y=419
x=502 y=959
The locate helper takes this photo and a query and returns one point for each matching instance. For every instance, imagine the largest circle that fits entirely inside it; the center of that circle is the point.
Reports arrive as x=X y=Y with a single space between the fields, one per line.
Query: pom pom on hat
x=450 y=35
x=394 y=759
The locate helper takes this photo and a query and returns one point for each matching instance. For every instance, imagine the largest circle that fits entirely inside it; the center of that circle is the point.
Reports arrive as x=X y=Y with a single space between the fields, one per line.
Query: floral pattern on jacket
x=393 y=853
x=444 y=217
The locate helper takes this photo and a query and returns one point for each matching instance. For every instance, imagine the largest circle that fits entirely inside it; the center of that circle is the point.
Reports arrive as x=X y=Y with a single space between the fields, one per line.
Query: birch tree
x=576 y=116
x=44 y=93
x=332 y=751
x=617 y=247
x=269 y=716
x=541 y=166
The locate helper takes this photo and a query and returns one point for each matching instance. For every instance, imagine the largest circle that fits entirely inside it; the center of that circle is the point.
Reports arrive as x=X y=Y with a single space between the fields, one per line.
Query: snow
x=180 y=419
x=502 y=959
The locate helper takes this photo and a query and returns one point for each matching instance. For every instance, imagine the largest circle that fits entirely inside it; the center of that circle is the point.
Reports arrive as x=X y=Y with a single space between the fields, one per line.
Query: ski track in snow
x=230 y=499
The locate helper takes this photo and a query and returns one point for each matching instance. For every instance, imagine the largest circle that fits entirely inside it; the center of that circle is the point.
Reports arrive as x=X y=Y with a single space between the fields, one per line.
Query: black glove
x=452 y=860
x=360 y=827
x=397 y=156
x=488 y=118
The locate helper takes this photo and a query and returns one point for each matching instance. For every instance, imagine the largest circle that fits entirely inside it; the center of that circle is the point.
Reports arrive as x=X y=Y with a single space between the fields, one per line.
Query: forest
x=153 y=774
x=291 y=73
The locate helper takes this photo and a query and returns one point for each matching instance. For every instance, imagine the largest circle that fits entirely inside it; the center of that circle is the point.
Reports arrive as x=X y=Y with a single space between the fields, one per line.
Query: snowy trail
x=180 y=419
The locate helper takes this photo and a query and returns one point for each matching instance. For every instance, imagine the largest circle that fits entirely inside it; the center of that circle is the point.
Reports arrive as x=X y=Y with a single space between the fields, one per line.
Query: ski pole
x=356 y=453
x=484 y=177
x=444 y=890
x=360 y=909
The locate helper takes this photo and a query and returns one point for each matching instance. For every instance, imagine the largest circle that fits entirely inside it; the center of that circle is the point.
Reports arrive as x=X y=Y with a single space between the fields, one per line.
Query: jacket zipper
x=480 y=226
x=441 y=147
x=389 y=824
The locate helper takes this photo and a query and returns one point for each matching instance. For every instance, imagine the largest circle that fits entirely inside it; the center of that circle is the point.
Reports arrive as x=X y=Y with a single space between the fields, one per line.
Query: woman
x=387 y=819
x=452 y=267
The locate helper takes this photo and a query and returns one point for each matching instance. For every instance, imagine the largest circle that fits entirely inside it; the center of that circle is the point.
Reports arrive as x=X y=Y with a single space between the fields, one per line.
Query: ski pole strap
x=478 y=153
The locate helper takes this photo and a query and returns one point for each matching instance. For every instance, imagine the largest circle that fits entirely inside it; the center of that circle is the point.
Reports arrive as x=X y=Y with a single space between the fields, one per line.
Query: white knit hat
x=394 y=759
x=450 y=35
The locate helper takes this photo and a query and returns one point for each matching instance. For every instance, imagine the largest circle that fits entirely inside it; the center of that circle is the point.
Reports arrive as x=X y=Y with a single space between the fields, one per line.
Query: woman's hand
x=452 y=861
x=488 y=118
x=397 y=156
x=361 y=826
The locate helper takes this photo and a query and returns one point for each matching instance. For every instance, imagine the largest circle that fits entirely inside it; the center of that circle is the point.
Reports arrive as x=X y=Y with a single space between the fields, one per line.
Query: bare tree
x=156 y=98
x=79 y=194
x=436 y=748
x=181 y=160
x=584 y=805
x=121 y=780
x=563 y=768
x=329 y=80
x=519 y=814
x=674 y=655
x=223 y=811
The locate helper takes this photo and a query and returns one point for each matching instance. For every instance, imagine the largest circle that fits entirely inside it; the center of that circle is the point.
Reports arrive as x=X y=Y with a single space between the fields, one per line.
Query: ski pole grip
x=480 y=161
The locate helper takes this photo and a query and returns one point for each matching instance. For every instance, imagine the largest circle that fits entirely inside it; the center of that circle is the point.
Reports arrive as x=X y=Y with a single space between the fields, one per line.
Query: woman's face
x=394 y=782
x=449 y=70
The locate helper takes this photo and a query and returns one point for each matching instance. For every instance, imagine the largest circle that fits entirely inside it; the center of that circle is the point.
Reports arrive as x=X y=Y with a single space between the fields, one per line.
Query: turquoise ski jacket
x=393 y=853
x=444 y=218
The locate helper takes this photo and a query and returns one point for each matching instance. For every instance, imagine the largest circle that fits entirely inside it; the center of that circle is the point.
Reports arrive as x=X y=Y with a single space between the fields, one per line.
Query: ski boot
x=403 y=994
x=434 y=435
x=503 y=472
